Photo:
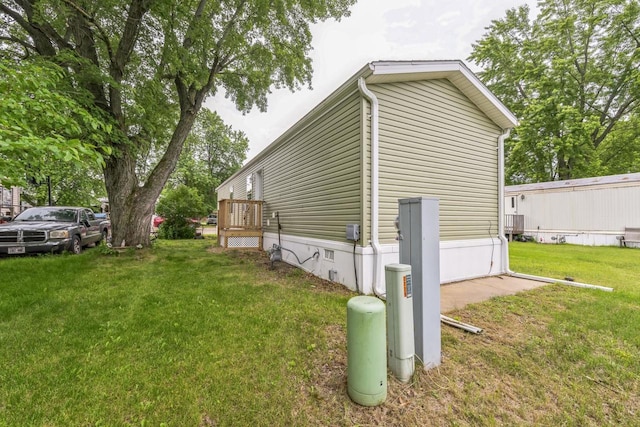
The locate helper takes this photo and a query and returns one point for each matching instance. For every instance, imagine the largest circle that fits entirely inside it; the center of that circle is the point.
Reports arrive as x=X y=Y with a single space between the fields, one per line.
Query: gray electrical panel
x=419 y=238
x=353 y=232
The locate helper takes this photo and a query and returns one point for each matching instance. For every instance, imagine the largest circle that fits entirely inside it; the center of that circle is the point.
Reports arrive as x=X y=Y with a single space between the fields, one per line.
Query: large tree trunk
x=132 y=205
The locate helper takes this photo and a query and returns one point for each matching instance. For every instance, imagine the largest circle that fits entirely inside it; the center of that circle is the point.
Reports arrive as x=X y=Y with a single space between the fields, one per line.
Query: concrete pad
x=457 y=295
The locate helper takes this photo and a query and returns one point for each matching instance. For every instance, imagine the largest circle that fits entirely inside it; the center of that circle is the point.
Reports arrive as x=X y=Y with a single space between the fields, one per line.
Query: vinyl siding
x=313 y=178
x=435 y=142
x=581 y=209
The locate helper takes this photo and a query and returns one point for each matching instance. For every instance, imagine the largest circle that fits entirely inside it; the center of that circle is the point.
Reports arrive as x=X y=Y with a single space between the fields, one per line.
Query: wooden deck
x=513 y=225
x=240 y=223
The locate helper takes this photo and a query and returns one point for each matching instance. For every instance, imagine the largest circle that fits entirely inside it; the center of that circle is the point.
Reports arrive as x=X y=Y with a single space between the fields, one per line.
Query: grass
x=174 y=336
x=181 y=335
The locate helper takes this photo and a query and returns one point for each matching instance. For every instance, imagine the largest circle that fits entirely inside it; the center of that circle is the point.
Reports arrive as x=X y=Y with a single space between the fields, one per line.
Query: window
x=250 y=187
x=513 y=202
x=257 y=185
x=231 y=192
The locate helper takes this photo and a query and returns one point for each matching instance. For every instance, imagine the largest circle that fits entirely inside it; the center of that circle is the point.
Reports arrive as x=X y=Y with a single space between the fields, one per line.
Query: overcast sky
x=376 y=30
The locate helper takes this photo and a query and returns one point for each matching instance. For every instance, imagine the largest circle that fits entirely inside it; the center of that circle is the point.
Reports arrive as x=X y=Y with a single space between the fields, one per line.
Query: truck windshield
x=47 y=214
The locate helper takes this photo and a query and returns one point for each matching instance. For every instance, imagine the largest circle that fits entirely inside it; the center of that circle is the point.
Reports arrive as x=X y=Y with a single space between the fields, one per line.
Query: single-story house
x=395 y=129
x=587 y=211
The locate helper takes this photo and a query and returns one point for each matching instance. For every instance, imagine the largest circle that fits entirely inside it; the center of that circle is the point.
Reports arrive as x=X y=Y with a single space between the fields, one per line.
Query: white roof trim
x=628 y=179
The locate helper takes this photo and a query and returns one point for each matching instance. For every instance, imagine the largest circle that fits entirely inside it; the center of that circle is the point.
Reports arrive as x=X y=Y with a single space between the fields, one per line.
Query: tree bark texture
x=131 y=204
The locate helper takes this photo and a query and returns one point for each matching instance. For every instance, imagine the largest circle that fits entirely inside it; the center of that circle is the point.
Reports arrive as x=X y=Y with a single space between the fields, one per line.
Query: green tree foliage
x=43 y=122
x=572 y=76
x=178 y=206
x=150 y=64
x=72 y=184
x=212 y=153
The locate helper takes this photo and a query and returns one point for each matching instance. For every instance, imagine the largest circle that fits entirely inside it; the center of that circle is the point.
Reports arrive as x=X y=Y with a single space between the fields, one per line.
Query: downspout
x=503 y=238
x=501 y=235
x=375 y=243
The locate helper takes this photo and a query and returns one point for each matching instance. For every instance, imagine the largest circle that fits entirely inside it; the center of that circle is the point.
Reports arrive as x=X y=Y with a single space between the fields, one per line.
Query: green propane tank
x=366 y=350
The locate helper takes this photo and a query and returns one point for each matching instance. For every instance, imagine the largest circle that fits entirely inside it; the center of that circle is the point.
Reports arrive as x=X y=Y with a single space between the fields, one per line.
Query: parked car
x=52 y=229
x=157 y=220
x=212 y=219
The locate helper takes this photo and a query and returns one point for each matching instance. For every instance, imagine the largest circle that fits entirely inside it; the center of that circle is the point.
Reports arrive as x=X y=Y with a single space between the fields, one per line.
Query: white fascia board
x=402 y=67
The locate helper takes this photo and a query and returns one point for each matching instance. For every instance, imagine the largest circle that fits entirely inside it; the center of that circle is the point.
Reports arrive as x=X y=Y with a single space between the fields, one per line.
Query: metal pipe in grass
x=460 y=325
x=563 y=282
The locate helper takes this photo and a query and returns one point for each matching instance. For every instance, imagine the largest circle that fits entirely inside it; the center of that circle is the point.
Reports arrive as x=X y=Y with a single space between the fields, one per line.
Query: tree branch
x=624 y=109
x=43 y=44
x=137 y=9
x=92 y=21
x=188 y=42
x=23 y=43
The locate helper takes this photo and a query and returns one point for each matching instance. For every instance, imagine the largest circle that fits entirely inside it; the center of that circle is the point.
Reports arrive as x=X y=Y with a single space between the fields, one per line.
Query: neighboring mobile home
x=396 y=129
x=586 y=211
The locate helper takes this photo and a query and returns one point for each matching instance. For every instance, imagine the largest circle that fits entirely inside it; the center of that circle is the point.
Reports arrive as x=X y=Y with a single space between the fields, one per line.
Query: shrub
x=177 y=206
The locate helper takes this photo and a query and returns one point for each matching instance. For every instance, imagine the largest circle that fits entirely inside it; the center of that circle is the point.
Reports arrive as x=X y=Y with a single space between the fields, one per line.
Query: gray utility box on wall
x=419 y=238
x=353 y=232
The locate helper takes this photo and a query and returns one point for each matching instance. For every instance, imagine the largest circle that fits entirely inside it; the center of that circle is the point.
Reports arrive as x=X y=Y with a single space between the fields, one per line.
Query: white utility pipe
x=503 y=238
x=375 y=243
x=563 y=282
x=456 y=324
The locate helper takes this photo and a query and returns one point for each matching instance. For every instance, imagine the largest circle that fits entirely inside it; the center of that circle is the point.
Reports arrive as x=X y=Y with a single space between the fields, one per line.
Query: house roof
x=378 y=72
x=611 y=180
x=456 y=72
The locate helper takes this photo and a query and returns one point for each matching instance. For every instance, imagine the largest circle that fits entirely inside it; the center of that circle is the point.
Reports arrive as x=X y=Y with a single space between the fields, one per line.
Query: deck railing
x=240 y=223
x=513 y=224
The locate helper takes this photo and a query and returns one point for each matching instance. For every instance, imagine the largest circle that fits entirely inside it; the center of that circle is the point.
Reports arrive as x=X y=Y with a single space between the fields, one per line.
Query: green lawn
x=180 y=335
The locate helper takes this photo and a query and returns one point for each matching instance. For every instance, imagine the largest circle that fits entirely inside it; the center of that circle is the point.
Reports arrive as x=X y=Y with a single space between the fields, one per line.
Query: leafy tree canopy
x=72 y=184
x=572 y=76
x=212 y=153
x=150 y=64
x=43 y=121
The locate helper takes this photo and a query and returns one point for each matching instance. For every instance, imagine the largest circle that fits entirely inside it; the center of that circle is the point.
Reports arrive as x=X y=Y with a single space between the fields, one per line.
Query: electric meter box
x=353 y=232
x=400 y=340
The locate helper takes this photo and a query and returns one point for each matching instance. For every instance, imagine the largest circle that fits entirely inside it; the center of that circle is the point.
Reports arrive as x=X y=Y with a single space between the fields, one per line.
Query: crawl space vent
x=329 y=255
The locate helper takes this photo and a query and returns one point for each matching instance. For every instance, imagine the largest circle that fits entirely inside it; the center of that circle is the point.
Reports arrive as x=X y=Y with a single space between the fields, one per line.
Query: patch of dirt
x=278 y=270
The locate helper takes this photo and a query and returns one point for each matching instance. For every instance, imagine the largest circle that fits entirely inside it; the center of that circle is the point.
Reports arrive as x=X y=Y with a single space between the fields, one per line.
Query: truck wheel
x=76 y=245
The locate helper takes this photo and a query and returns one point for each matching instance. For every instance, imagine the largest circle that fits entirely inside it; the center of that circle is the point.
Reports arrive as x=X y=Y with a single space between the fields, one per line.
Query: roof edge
x=626 y=178
x=316 y=111
x=451 y=67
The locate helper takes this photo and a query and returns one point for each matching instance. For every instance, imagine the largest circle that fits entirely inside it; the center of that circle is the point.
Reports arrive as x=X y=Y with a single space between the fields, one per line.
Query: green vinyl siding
x=312 y=178
x=435 y=142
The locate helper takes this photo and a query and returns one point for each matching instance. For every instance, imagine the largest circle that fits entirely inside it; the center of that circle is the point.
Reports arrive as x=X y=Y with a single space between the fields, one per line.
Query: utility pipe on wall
x=501 y=175
x=375 y=243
